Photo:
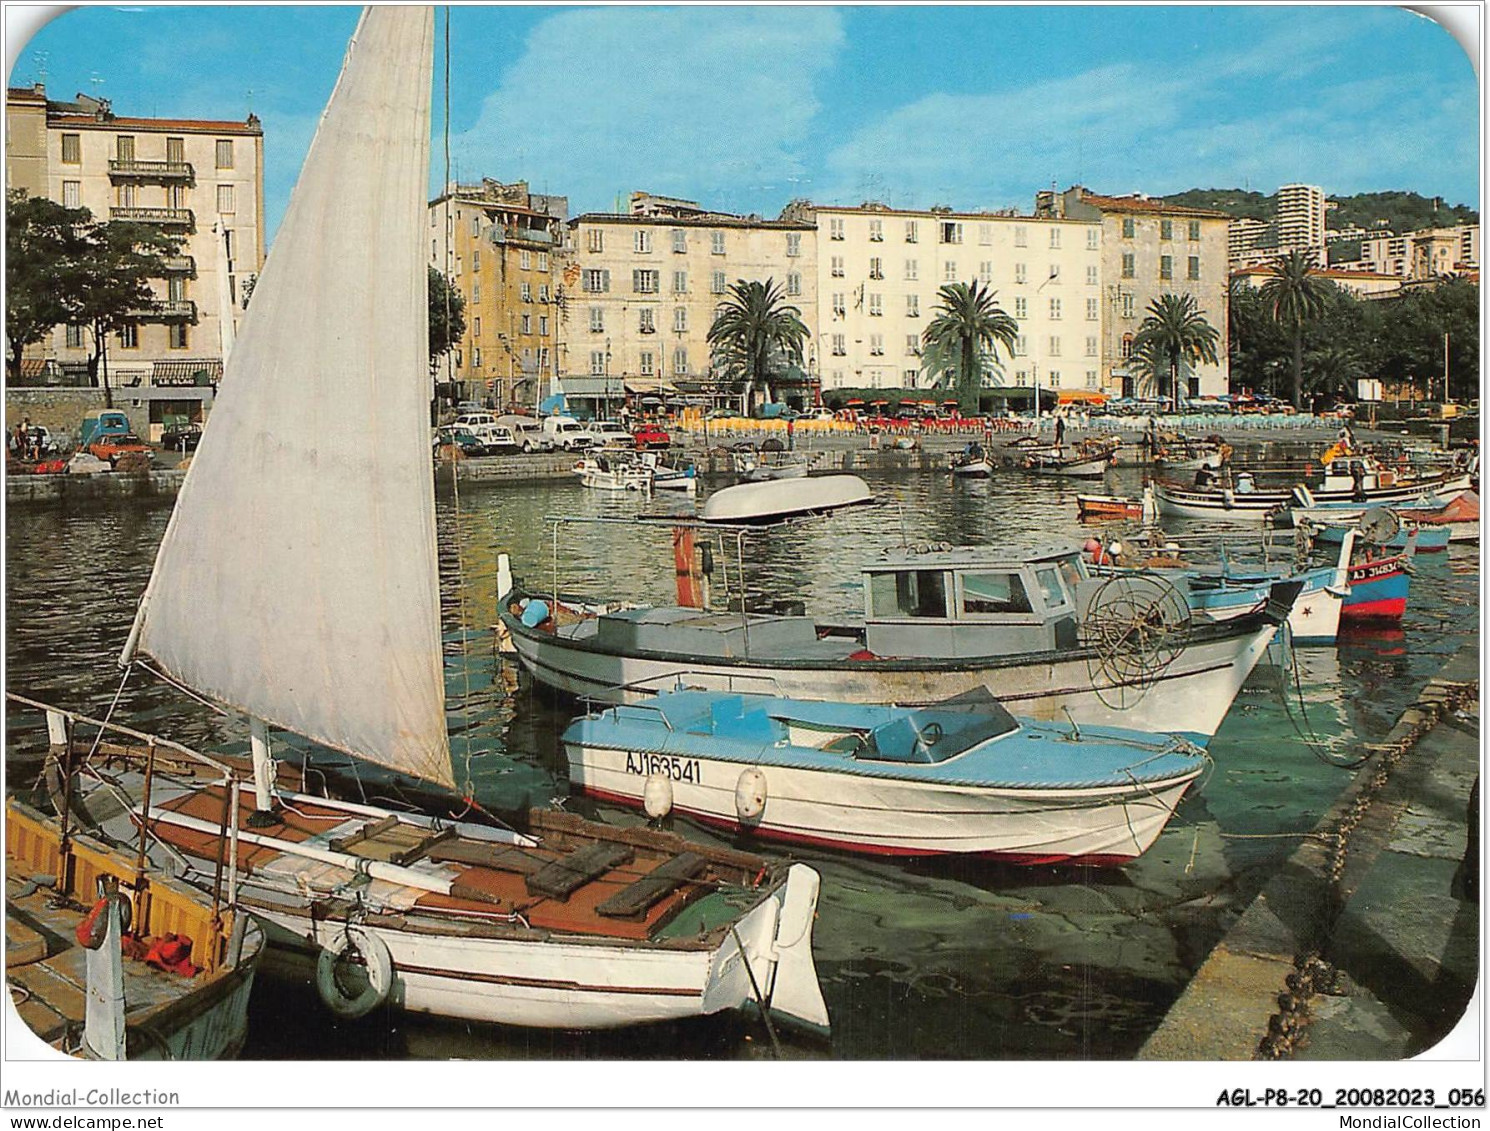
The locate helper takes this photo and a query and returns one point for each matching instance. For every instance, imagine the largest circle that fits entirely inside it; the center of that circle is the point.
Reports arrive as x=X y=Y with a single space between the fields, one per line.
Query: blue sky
x=744 y=108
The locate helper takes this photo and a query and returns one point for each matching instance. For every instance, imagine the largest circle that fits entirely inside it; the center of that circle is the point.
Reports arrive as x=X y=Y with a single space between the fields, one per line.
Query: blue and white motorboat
x=1230 y=590
x=962 y=777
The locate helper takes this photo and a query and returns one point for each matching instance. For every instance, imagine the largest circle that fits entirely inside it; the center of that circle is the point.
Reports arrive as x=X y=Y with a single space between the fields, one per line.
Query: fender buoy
x=750 y=795
x=374 y=952
x=94 y=928
x=657 y=796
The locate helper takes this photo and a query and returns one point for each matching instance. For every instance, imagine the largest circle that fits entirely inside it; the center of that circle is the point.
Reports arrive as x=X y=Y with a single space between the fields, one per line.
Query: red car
x=112 y=447
x=651 y=436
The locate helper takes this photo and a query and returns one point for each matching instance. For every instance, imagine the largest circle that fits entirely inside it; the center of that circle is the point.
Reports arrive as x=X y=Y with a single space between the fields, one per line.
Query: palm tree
x=961 y=342
x=1174 y=330
x=755 y=334
x=1295 y=293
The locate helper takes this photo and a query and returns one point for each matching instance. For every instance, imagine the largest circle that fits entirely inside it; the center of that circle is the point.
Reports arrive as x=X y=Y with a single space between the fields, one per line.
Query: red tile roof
x=1151 y=207
x=185 y=125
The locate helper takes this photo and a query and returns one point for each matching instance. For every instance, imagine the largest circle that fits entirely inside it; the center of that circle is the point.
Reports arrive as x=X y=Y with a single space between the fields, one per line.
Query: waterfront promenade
x=1382 y=892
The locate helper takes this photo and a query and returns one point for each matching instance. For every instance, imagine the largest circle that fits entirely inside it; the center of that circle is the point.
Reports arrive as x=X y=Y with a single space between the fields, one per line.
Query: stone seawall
x=62 y=410
x=103 y=486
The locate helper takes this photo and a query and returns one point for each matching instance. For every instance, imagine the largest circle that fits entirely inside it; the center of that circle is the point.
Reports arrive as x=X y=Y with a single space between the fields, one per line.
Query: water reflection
x=932 y=959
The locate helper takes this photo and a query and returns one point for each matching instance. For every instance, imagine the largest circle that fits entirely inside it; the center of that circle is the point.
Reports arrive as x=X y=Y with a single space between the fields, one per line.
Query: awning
x=203 y=371
x=1080 y=396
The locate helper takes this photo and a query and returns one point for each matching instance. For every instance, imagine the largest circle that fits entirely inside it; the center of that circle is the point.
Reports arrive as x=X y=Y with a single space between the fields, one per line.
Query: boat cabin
x=972 y=602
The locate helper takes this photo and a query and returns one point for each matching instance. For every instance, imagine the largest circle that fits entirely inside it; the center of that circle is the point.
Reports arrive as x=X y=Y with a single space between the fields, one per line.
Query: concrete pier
x=1401 y=926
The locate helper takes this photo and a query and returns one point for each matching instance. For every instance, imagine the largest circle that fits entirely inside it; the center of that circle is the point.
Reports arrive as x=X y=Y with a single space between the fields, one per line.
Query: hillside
x=1401 y=211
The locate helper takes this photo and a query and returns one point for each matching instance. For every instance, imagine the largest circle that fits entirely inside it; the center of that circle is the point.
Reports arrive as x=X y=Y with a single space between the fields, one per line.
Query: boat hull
x=1378 y=591
x=774 y=499
x=554 y=984
x=1177 y=501
x=1191 y=696
x=882 y=817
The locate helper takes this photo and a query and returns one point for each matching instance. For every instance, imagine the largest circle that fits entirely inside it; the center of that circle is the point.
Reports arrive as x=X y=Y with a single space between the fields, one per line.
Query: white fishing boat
x=972 y=463
x=297 y=583
x=963 y=778
x=772 y=500
x=614 y=469
x=1348 y=480
x=667 y=476
x=1037 y=630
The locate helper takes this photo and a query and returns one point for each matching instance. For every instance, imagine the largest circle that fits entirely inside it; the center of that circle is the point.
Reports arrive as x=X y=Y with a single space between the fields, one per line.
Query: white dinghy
x=772 y=500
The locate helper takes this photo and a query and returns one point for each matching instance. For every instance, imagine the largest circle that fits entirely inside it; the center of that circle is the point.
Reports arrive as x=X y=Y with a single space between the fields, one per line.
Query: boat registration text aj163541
x=678 y=769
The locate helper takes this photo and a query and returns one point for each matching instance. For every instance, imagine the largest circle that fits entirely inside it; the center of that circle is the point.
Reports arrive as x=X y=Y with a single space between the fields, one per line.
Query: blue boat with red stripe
x=1377 y=589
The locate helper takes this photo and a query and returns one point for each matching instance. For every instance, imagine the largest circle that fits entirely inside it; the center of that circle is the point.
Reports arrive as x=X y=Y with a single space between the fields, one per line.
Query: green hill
x=1399 y=211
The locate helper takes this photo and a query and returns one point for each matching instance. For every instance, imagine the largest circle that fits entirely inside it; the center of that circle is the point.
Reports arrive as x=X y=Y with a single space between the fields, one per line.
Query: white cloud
x=715 y=101
x=1239 y=116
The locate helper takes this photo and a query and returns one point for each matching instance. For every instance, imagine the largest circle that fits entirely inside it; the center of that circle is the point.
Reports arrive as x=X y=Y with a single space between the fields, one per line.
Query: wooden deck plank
x=661 y=882
x=559 y=879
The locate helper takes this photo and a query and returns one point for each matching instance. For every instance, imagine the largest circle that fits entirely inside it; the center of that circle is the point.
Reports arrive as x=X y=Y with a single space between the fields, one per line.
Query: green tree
x=447 y=317
x=1295 y=294
x=110 y=285
x=755 y=335
x=43 y=241
x=1255 y=343
x=1174 y=331
x=960 y=344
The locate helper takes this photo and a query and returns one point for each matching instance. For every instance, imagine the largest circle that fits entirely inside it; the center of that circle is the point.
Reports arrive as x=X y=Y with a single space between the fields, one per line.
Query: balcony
x=163 y=171
x=165 y=217
x=501 y=235
x=181 y=265
x=167 y=310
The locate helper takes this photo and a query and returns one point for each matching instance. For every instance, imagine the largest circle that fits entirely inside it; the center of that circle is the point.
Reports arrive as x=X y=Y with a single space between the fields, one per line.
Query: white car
x=529 y=433
x=568 y=433
x=609 y=434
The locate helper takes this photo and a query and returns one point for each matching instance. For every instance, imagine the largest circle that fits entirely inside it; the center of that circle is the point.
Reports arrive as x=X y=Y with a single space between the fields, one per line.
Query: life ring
x=374 y=952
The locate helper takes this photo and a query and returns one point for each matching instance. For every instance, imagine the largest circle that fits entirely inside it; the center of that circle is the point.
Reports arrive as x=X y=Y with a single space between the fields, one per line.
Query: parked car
x=111 y=447
x=529 y=433
x=97 y=425
x=181 y=437
x=463 y=438
x=568 y=433
x=609 y=434
x=651 y=436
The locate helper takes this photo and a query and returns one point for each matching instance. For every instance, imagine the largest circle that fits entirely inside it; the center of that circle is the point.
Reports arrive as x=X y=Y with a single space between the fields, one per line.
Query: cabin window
x=1070 y=573
x=994 y=593
x=912 y=593
x=1050 y=587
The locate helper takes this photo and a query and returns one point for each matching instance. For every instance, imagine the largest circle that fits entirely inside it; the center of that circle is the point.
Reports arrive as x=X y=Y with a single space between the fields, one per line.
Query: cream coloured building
x=643 y=287
x=1425 y=254
x=879 y=271
x=199 y=179
x=1151 y=248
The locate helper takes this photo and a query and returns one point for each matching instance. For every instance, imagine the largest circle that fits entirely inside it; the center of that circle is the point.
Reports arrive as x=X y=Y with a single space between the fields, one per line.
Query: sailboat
x=297 y=584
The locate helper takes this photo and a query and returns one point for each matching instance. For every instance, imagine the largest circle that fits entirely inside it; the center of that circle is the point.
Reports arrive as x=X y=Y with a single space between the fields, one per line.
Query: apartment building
x=199 y=179
x=646 y=284
x=1427 y=254
x=502 y=248
x=1301 y=220
x=1151 y=248
x=879 y=271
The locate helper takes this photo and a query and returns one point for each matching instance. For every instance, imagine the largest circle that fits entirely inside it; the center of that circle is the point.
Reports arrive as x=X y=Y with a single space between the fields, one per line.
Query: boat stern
x=766 y=961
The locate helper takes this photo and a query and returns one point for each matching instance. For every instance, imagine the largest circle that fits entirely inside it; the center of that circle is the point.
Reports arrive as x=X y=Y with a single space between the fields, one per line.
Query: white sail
x=298 y=577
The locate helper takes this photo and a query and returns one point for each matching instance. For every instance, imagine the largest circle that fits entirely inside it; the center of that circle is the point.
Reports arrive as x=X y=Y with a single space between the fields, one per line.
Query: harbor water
x=918 y=960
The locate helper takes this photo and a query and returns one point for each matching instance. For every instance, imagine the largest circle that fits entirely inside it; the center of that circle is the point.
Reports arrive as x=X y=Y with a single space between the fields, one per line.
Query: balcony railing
x=152 y=170
x=181 y=265
x=167 y=310
x=501 y=235
x=166 y=217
